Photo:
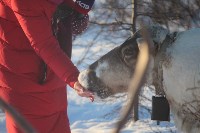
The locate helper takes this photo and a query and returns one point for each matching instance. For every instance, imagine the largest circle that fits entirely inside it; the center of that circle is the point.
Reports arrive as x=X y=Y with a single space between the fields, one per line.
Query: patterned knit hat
x=82 y=6
x=79 y=23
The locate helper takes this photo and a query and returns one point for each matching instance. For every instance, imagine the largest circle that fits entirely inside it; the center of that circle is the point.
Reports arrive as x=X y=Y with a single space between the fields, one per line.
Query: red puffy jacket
x=26 y=39
x=26 y=42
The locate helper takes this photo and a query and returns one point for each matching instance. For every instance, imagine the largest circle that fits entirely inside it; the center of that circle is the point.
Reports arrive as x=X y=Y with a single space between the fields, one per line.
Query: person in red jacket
x=34 y=67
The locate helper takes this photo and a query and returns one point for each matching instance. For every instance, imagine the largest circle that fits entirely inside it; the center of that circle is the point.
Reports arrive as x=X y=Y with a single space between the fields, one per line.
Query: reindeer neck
x=159 y=58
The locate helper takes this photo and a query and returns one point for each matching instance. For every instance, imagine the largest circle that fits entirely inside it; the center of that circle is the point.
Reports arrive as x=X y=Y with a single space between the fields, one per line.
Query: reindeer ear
x=158 y=33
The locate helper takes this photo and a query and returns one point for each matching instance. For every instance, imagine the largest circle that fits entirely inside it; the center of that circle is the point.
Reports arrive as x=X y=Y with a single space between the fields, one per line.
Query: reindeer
x=174 y=67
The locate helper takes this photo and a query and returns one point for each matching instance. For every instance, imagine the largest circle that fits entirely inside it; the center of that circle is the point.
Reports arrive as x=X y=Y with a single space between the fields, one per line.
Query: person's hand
x=83 y=92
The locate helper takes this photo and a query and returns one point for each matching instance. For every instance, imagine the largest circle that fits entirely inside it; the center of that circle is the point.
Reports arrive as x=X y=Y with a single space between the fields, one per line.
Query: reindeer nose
x=86 y=77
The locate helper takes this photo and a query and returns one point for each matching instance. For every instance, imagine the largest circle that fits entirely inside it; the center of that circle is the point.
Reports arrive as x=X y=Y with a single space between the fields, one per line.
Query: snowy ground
x=101 y=116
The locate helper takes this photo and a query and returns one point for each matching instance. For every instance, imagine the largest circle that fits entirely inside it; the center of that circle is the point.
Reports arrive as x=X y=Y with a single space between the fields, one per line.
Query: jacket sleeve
x=37 y=27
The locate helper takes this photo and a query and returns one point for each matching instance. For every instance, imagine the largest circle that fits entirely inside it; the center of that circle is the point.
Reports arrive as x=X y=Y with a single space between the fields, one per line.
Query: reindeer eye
x=128 y=51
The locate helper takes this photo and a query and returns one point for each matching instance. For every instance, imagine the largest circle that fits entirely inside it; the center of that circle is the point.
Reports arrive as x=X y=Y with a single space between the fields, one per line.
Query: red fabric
x=58 y=1
x=45 y=111
x=59 y=118
x=21 y=38
x=26 y=39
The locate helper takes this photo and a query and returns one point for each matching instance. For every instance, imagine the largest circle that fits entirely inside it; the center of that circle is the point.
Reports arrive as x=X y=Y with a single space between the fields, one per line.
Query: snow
x=2 y=122
x=101 y=116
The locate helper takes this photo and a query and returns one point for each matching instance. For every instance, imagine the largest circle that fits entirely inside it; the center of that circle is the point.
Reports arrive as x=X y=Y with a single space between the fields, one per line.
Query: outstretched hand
x=83 y=92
